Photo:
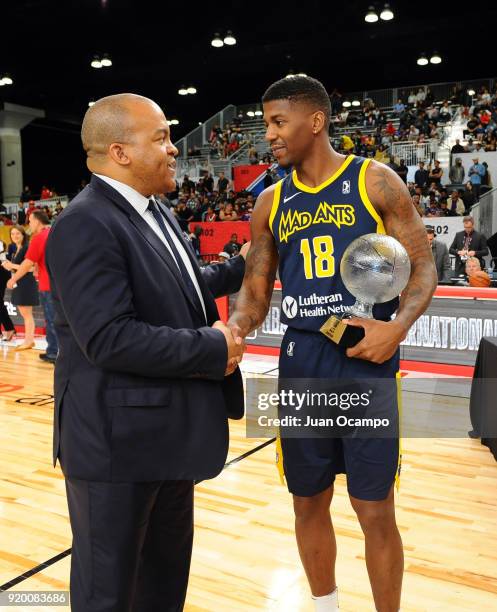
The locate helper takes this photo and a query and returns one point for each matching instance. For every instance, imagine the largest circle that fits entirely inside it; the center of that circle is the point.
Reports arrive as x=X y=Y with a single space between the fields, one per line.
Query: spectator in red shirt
x=233 y=146
x=6 y=220
x=45 y=193
x=31 y=209
x=485 y=118
x=39 y=225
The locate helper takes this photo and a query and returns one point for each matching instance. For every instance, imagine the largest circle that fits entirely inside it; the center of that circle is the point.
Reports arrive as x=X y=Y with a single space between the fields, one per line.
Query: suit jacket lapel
x=206 y=294
x=146 y=231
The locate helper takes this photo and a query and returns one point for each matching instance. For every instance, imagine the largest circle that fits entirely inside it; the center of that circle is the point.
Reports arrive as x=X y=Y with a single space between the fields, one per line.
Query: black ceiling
x=156 y=47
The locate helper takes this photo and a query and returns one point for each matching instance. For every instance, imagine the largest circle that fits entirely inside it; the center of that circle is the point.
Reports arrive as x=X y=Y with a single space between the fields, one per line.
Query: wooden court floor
x=245 y=557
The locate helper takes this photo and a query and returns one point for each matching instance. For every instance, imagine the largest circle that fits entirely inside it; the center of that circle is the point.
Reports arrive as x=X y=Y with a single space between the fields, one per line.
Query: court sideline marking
x=42 y=566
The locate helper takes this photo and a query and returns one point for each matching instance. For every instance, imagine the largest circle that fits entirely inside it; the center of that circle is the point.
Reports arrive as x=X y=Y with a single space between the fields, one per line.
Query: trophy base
x=340 y=333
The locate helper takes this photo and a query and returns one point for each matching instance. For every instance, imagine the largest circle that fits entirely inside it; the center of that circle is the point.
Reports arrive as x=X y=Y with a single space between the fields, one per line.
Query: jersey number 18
x=321 y=256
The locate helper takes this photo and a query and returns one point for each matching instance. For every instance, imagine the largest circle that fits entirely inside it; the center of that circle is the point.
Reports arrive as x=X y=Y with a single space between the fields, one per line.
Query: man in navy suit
x=146 y=375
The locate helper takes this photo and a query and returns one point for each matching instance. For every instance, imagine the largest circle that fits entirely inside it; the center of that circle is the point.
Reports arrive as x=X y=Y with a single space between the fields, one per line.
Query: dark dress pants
x=132 y=545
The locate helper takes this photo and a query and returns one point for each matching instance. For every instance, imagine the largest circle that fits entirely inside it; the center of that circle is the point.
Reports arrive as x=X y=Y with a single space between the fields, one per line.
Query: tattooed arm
x=254 y=298
x=392 y=201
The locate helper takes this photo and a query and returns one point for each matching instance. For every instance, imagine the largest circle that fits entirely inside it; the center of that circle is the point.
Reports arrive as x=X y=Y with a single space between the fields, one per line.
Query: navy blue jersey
x=312 y=227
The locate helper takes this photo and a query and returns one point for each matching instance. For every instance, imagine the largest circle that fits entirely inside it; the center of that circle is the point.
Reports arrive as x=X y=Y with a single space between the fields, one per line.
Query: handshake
x=235 y=342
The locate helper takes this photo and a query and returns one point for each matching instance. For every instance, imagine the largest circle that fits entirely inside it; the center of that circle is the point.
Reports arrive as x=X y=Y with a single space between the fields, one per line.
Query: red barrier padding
x=244 y=176
x=223 y=308
x=215 y=235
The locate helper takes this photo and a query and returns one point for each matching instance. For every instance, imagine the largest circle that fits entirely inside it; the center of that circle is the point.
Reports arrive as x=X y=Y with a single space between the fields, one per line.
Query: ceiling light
x=435 y=58
x=96 y=63
x=346 y=104
x=371 y=15
x=386 y=14
x=471 y=92
x=250 y=113
x=106 y=61
x=174 y=122
x=290 y=75
x=91 y=102
x=191 y=90
x=183 y=91
x=200 y=123
x=229 y=39
x=303 y=74
x=217 y=41
x=258 y=113
x=356 y=103
x=6 y=80
x=422 y=60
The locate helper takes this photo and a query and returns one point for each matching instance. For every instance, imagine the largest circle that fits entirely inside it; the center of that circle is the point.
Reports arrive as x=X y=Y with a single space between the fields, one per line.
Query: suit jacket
x=140 y=392
x=442 y=261
x=478 y=245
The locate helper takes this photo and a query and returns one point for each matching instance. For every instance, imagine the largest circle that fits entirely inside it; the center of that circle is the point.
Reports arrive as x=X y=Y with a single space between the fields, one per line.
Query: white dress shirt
x=140 y=203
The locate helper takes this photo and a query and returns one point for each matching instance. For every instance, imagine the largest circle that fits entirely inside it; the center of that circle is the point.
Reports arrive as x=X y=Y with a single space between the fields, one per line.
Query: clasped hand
x=236 y=345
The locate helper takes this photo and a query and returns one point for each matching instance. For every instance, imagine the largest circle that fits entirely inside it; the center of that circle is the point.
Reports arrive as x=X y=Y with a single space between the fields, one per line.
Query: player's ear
x=318 y=122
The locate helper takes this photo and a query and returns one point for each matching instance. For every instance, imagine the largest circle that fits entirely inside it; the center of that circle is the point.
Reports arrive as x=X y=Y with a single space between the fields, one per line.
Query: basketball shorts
x=371 y=464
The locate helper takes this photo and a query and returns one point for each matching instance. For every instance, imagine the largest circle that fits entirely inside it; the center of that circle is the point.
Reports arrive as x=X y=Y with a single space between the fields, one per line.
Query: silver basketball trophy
x=375 y=268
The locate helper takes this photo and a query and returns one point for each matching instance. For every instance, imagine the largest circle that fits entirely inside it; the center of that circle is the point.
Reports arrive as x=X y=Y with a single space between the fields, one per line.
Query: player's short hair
x=468 y=219
x=41 y=216
x=301 y=89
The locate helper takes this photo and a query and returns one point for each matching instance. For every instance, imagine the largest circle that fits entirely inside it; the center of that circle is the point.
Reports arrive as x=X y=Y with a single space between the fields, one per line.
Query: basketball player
x=288 y=225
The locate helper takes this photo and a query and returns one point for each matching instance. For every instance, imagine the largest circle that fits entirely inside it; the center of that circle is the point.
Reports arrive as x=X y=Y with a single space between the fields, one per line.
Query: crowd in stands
x=433 y=197
x=26 y=208
x=45 y=193
x=417 y=118
x=481 y=121
x=420 y=119
x=209 y=199
x=223 y=142
x=30 y=201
